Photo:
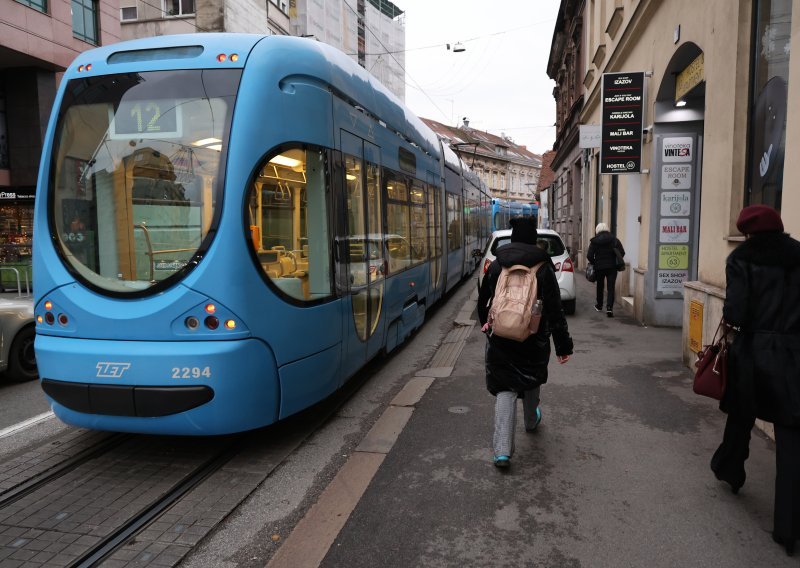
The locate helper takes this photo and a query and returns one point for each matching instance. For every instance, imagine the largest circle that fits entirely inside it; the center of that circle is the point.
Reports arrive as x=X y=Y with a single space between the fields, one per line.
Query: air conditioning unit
x=128 y=13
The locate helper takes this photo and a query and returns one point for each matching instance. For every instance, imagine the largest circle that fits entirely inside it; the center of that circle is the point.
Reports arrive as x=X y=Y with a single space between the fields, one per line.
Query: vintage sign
x=695 y=325
x=675 y=203
x=692 y=75
x=622 y=115
x=674 y=231
x=671 y=281
x=678 y=149
x=676 y=176
x=673 y=257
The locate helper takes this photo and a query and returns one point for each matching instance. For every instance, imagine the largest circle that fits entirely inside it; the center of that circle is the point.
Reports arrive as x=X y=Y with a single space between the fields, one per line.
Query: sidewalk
x=616 y=475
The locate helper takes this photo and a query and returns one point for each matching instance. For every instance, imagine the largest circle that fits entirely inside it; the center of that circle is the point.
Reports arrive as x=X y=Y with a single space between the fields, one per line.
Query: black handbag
x=591 y=275
x=620 y=260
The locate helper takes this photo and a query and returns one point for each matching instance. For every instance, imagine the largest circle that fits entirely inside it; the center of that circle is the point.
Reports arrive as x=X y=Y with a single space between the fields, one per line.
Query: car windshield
x=550 y=243
x=137 y=173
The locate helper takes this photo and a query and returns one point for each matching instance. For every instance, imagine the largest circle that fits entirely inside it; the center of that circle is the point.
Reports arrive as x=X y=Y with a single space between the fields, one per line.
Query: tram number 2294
x=191 y=372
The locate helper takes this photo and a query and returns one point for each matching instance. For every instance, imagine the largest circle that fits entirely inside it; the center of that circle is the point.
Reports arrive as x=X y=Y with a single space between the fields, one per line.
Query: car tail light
x=486 y=264
x=566 y=266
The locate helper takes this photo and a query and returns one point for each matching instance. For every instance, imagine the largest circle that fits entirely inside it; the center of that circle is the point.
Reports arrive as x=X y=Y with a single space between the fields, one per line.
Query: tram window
x=138 y=174
x=418 y=230
x=288 y=214
x=453 y=222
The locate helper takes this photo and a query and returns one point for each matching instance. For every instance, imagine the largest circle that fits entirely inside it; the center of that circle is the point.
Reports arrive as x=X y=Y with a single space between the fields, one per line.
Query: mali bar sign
x=622 y=116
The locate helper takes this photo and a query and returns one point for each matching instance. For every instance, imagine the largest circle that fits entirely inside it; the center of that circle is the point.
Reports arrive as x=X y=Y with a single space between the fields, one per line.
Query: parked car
x=17 y=334
x=552 y=243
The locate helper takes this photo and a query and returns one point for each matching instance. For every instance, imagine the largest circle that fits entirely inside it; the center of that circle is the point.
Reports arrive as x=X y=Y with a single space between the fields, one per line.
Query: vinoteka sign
x=621 y=123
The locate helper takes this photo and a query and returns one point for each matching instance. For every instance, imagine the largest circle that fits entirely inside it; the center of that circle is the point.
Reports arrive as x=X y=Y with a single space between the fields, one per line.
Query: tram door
x=364 y=253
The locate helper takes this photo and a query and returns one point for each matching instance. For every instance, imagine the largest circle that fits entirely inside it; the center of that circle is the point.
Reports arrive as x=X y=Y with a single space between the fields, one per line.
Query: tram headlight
x=192 y=322
x=49 y=318
x=63 y=319
x=230 y=324
x=212 y=322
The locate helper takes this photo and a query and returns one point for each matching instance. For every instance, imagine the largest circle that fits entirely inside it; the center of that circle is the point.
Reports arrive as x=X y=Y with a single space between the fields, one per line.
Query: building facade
x=144 y=18
x=510 y=171
x=370 y=31
x=565 y=67
x=38 y=40
x=718 y=82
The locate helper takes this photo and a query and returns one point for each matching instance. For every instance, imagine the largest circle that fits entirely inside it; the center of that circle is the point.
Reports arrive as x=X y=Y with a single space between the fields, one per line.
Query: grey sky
x=499 y=82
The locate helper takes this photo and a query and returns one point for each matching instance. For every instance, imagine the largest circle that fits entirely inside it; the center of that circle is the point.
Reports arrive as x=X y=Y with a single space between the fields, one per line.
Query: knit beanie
x=759 y=219
x=523 y=230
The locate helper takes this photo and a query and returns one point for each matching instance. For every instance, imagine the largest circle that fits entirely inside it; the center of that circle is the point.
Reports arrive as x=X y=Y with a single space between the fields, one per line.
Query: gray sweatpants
x=505 y=418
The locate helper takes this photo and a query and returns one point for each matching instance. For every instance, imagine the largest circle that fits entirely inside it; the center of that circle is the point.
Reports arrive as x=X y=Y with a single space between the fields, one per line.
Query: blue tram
x=229 y=226
x=503 y=210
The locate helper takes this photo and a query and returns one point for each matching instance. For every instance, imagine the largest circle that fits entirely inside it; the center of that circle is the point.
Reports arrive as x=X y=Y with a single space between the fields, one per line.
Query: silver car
x=552 y=243
x=17 y=333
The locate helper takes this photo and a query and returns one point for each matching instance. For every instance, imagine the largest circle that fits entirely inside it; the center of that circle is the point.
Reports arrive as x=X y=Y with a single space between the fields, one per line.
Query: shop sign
x=675 y=203
x=673 y=257
x=674 y=231
x=622 y=116
x=679 y=149
x=14 y=196
x=671 y=281
x=676 y=176
x=690 y=77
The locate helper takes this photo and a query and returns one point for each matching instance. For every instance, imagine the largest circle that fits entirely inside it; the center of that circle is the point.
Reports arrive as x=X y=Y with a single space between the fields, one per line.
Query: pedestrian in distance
x=607 y=255
x=517 y=369
x=762 y=306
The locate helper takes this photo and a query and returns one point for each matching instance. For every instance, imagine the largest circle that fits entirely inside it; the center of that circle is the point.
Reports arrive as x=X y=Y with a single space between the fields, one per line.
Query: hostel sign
x=622 y=116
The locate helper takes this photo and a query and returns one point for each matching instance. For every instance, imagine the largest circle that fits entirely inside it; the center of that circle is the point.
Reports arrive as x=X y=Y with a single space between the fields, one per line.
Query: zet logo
x=107 y=370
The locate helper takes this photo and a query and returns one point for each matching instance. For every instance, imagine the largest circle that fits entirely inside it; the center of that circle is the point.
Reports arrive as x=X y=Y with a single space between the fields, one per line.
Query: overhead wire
x=366 y=27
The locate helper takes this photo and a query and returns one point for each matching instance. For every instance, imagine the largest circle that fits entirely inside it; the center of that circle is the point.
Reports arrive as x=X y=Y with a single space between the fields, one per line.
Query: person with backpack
x=608 y=257
x=517 y=368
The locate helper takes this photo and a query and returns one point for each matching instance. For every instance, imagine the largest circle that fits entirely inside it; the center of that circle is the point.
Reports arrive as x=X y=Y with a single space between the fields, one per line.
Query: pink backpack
x=515 y=312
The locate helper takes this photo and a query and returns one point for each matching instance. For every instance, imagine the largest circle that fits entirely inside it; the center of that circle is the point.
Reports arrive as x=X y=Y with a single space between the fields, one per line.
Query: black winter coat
x=601 y=251
x=521 y=366
x=763 y=299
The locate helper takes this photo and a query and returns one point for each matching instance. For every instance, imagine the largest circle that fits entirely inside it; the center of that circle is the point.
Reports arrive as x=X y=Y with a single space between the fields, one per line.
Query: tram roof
x=309 y=57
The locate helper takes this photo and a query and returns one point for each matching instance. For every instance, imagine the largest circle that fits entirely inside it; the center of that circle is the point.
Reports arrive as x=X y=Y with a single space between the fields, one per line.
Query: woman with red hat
x=762 y=303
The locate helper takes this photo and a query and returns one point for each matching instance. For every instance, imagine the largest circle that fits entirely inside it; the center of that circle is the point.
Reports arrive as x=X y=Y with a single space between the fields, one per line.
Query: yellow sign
x=690 y=77
x=695 y=325
x=673 y=257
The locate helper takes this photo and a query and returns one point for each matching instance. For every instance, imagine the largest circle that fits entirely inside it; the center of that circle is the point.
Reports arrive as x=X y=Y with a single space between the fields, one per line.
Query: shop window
x=288 y=215
x=768 y=108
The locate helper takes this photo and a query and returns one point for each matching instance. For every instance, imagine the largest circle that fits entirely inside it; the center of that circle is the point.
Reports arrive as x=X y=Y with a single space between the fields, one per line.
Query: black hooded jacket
x=601 y=251
x=763 y=300
x=514 y=365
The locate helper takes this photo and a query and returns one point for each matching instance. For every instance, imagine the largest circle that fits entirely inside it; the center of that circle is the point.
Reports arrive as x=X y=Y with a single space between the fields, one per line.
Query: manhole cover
x=458 y=409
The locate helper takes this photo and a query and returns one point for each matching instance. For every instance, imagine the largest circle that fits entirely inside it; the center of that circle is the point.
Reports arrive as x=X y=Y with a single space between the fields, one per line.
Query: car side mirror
x=477 y=253
x=569 y=250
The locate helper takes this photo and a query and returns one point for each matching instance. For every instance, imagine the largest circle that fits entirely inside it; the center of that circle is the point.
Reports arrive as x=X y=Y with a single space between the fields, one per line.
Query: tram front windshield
x=137 y=174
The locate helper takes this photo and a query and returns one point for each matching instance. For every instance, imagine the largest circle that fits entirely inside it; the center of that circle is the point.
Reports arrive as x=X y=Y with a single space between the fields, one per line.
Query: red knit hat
x=759 y=219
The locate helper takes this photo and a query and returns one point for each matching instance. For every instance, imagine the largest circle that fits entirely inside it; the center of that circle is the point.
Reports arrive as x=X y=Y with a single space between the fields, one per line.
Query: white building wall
x=246 y=16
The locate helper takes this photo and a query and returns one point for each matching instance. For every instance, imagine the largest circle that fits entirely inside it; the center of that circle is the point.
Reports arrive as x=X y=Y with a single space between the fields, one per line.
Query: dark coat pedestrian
x=762 y=303
x=605 y=252
x=517 y=369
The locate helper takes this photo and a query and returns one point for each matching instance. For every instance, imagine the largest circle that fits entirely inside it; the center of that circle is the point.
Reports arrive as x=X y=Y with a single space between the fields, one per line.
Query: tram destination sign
x=622 y=116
